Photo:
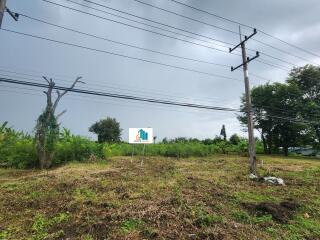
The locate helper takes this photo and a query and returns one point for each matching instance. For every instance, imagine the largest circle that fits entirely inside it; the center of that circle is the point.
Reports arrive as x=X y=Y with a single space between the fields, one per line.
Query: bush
x=75 y=148
x=17 y=149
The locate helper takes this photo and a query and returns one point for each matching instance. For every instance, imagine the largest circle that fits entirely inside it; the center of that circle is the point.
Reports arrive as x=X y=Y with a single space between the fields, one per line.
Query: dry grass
x=195 y=198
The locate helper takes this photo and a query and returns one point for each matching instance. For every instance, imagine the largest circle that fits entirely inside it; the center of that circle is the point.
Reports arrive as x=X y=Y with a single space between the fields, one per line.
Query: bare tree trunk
x=47 y=128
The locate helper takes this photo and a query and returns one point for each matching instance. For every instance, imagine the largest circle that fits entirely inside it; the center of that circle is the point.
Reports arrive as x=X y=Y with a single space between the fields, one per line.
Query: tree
x=234 y=139
x=276 y=115
x=223 y=133
x=47 y=127
x=307 y=79
x=108 y=130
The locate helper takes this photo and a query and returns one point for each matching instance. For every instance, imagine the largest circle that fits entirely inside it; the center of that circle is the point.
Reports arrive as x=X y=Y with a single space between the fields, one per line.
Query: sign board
x=140 y=135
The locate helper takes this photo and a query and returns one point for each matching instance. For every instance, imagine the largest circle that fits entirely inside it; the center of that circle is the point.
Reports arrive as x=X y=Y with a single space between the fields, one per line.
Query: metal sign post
x=140 y=136
x=143 y=150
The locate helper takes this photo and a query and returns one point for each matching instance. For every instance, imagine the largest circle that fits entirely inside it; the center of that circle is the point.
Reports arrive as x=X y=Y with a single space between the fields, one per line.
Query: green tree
x=276 y=115
x=223 y=132
x=234 y=139
x=307 y=79
x=108 y=130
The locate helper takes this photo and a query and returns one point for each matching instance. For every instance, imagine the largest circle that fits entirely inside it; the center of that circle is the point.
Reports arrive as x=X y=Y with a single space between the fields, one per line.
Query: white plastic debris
x=252 y=176
x=274 y=180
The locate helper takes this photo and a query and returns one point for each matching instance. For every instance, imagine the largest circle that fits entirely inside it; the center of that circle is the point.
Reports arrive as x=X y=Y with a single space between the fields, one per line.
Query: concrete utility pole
x=245 y=61
x=3 y=9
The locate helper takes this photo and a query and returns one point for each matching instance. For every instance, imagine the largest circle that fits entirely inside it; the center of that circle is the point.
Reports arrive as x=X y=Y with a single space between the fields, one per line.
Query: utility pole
x=245 y=61
x=3 y=9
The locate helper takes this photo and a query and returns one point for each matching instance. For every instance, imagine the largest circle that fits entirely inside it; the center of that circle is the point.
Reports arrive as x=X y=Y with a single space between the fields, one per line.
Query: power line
x=215 y=26
x=119 y=55
x=141 y=105
x=283 y=68
x=120 y=96
x=150 y=20
x=140 y=99
x=132 y=26
x=283 y=51
x=143 y=29
x=245 y=25
x=184 y=16
x=173 y=27
x=106 y=87
x=122 y=43
x=277 y=110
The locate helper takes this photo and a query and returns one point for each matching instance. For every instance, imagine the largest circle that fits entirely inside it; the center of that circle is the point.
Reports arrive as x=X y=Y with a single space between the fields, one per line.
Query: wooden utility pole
x=3 y=9
x=245 y=61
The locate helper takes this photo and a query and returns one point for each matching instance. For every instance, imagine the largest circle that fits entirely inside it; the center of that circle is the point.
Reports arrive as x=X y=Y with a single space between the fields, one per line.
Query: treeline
x=288 y=114
x=18 y=149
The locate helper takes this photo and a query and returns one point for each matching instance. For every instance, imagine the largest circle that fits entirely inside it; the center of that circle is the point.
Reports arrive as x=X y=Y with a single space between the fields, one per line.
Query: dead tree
x=47 y=128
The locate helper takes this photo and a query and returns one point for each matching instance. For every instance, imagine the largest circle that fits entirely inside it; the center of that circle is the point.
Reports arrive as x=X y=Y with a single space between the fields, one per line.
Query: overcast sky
x=294 y=21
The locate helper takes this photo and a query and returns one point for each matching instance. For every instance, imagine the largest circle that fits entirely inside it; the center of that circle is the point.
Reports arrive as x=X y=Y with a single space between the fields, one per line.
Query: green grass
x=167 y=198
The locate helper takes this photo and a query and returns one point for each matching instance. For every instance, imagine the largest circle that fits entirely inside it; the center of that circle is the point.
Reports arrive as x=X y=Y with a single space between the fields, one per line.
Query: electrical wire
x=132 y=26
x=184 y=30
x=245 y=25
x=73 y=97
x=157 y=33
x=225 y=29
x=119 y=55
x=108 y=87
x=120 y=96
x=135 y=98
x=122 y=43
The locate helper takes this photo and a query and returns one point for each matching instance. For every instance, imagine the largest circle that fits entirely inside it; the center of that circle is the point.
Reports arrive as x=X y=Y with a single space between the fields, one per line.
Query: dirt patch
x=281 y=212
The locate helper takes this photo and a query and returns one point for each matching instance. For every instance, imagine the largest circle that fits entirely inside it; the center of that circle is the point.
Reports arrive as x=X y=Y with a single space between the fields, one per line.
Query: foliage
x=234 y=139
x=223 y=132
x=178 y=150
x=75 y=148
x=47 y=135
x=307 y=80
x=42 y=225
x=47 y=127
x=17 y=149
x=286 y=114
x=131 y=224
x=108 y=130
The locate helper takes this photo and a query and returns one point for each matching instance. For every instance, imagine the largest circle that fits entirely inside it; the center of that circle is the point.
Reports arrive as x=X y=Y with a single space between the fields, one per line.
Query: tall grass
x=17 y=149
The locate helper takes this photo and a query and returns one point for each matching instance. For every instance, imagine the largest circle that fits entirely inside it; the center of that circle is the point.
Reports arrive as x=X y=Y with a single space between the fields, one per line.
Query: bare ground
x=195 y=198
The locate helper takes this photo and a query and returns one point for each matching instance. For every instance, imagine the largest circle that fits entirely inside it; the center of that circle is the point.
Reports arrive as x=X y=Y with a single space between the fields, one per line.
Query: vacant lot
x=195 y=198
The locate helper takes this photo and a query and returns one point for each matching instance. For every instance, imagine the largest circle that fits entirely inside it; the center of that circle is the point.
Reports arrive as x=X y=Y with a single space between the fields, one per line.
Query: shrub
x=17 y=149
x=76 y=148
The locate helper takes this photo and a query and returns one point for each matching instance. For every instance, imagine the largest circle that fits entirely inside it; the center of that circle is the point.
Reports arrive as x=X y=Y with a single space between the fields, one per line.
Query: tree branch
x=60 y=114
x=60 y=95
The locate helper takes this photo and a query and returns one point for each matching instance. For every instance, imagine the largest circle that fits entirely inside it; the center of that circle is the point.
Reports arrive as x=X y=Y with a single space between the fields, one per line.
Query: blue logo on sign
x=142 y=136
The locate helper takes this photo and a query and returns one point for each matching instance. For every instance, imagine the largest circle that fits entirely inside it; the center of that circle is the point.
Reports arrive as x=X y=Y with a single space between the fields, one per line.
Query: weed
x=263 y=219
x=84 y=194
x=5 y=234
x=241 y=216
x=131 y=224
x=303 y=228
x=207 y=220
x=87 y=237
x=42 y=225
